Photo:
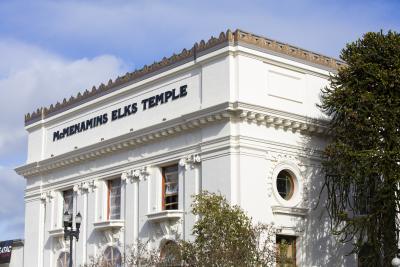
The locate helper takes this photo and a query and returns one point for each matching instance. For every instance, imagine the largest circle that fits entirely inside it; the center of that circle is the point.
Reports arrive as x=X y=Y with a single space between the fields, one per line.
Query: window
x=285 y=251
x=170 y=187
x=112 y=257
x=114 y=199
x=68 y=201
x=170 y=255
x=285 y=184
x=63 y=259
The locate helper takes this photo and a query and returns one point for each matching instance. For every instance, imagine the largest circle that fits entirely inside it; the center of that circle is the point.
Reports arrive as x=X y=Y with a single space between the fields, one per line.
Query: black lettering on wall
x=121 y=112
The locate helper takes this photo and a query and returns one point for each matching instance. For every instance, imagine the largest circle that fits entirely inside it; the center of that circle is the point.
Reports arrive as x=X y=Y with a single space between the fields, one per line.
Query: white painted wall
x=239 y=158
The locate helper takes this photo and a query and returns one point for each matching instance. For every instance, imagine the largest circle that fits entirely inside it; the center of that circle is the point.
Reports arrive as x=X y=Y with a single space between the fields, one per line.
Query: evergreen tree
x=362 y=159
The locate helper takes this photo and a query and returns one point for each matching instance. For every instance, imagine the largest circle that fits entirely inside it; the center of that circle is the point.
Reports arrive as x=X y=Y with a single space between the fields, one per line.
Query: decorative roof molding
x=242 y=112
x=225 y=39
x=84 y=154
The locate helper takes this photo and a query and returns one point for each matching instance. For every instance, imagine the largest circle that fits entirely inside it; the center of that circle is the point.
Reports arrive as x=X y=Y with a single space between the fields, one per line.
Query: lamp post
x=70 y=232
x=396 y=260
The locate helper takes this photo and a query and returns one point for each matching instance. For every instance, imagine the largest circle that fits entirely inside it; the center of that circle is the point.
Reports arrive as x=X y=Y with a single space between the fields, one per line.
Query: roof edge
x=184 y=56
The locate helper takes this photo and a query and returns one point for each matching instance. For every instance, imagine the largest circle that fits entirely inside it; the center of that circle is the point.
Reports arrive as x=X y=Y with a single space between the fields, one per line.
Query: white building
x=12 y=253
x=235 y=115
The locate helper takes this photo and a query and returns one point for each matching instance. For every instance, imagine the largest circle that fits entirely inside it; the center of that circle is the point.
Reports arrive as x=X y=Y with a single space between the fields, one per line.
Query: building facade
x=236 y=115
x=12 y=253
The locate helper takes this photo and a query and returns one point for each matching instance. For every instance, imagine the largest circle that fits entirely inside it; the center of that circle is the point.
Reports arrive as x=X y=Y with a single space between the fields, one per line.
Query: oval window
x=285 y=184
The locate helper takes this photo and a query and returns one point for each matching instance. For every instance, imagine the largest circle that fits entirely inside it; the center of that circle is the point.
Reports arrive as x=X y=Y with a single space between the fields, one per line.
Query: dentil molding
x=224 y=112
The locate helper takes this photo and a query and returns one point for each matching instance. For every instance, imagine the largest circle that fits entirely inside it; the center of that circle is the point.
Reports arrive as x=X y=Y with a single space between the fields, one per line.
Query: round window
x=285 y=184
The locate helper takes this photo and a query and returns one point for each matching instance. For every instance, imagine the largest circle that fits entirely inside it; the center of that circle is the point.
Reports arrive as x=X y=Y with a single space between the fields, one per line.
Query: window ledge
x=165 y=215
x=289 y=211
x=57 y=232
x=108 y=225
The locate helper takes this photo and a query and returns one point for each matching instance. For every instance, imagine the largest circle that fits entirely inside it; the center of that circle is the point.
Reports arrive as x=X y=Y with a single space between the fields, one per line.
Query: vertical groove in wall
x=198 y=181
x=184 y=204
x=125 y=183
x=41 y=231
x=84 y=232
x=136 y=210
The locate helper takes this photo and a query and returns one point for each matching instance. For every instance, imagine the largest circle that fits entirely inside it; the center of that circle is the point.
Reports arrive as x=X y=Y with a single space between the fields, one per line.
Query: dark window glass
x=68 y=201
x=285 y=185
x=112 y=257
x=114 y=199
x=170 y=187
x=63 y=259
x=285 y=251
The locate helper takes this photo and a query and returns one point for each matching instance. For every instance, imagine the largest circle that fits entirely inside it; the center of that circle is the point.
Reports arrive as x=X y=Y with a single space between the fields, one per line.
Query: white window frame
x=163 y=184
x=298 y=181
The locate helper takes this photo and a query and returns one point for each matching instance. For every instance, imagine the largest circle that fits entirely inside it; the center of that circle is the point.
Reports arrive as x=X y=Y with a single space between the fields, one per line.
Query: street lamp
x=70 y=232
x=396 y=260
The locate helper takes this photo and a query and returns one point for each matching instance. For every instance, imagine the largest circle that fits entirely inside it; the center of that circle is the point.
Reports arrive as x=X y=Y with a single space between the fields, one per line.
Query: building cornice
x=236 y=38
x=226 y=111
x=88 y=181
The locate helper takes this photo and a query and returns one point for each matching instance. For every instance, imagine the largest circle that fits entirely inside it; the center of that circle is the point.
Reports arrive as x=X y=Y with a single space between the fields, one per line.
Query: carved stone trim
x=290 y=230
x=85 y=187
x=230 y=111
x=271 y=120
x=60 y=244
x=294 y=211
x=190 y=161
x=47 y=197
x=138 y=174
x=283 y=161
x=110 y=229
x=168 y=221
x=63 y=161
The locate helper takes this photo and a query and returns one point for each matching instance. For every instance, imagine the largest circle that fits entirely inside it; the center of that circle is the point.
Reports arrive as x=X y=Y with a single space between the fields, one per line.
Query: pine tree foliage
x=362 y=163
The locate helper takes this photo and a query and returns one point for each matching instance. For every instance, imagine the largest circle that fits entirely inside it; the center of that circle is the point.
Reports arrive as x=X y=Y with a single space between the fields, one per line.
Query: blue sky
x=53 y=49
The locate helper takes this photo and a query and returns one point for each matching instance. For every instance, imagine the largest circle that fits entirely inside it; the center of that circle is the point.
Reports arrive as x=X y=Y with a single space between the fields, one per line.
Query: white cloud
x=31 y=77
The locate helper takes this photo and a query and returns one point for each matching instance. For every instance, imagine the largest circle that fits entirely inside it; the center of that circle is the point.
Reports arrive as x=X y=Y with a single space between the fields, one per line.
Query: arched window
x=112 y=257
x=170 y=254
x=63 y=259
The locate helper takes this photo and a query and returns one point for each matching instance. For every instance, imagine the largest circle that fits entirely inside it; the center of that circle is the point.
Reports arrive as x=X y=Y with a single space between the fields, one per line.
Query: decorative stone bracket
x=190 y=161
x=169 y=222
x=138 y=174
x=111 y=230
x=47 y=196
x=85 y=187
x=58 y=235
